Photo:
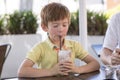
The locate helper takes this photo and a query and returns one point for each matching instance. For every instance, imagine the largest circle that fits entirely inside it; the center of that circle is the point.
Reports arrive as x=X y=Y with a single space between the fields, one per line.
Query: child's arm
x=27 y=70
x=92 y=65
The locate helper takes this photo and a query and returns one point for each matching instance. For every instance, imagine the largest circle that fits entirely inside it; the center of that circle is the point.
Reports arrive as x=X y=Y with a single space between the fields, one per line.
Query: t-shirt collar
x=66 y=43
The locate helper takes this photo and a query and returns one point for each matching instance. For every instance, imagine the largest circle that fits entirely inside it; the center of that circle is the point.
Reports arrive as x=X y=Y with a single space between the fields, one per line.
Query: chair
x=97 y=48
x=4 y=51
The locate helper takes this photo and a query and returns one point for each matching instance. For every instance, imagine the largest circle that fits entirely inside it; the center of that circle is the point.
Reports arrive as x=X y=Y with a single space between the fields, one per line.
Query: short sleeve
x=34 y=54
x=79 y=51
x=111 y=39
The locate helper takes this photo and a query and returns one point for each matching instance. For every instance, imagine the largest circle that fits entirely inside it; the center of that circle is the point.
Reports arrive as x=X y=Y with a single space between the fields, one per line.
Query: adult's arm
x=109 y=57
x=106 y=56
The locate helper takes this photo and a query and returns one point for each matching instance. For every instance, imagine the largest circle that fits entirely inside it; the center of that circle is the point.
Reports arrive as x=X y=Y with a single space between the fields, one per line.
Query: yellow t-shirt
x=46 y=57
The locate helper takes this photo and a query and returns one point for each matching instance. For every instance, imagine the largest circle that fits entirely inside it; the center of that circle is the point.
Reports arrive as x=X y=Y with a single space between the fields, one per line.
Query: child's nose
x=61 y=28
x=60 y=31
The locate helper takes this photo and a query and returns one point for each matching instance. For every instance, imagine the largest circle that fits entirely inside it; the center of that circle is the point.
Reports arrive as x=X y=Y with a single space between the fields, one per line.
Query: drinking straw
x=60 y=42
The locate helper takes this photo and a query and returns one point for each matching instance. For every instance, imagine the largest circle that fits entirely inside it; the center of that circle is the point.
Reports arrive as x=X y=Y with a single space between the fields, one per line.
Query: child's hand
x=69 y=66
x=58 y=69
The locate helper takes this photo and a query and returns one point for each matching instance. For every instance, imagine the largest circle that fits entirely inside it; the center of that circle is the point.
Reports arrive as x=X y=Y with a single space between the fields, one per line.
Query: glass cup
x=64 y=55
x=109 y=72
x=118 y=72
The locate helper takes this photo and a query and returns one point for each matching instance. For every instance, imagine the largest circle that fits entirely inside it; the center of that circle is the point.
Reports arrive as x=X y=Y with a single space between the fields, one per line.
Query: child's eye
x=55 y=26
x=65 y=25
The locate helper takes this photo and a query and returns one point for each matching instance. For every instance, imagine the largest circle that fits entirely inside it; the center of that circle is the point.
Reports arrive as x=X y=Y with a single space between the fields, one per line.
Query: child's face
x=56 y=28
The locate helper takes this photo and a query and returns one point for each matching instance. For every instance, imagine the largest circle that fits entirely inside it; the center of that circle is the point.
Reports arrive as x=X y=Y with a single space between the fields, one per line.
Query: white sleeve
x=110 y=40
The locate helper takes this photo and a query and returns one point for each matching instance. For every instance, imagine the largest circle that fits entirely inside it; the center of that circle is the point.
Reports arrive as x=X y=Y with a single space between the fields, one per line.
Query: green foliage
x=14 y=23
x=1 y=26
x=22 y=23
x=29 y=22
x=26 y=23
x=96 y=23
x=74 y=26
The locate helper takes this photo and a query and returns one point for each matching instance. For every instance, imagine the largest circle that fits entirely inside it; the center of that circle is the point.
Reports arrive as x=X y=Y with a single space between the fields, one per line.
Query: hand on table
x=64 y=68
x=68 y=66
x=59 y=69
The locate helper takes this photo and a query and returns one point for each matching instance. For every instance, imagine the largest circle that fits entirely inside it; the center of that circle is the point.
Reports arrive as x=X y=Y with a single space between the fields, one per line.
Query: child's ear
x=44 y=27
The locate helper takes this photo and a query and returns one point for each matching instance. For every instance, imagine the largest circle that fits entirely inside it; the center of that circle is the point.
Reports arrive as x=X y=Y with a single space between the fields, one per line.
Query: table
x=97 y=75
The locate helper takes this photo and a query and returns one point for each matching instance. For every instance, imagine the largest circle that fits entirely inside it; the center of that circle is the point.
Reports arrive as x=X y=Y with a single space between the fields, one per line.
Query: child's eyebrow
x=66 y=22
x=55 y=22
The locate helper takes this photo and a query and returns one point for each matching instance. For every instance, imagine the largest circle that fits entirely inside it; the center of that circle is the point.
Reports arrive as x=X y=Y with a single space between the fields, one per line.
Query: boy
x=55 y=21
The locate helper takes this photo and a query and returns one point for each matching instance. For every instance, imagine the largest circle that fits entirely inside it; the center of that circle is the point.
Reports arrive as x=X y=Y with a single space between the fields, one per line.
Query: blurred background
x=98 y=12
x=20 y=26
